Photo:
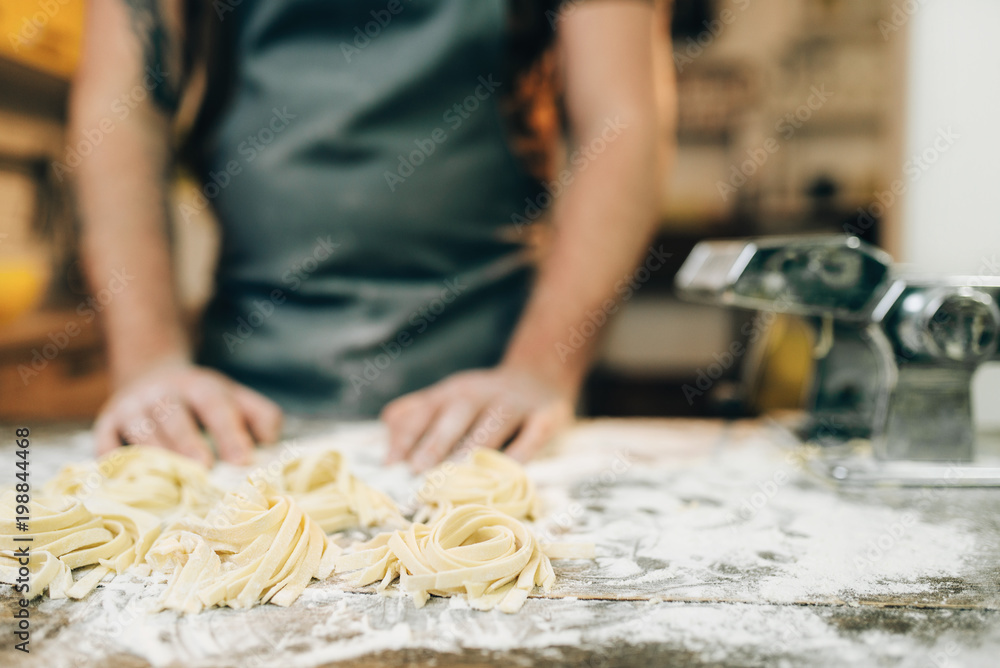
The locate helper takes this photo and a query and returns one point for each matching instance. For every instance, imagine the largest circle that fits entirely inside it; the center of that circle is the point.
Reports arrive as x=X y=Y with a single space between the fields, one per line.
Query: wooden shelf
x=52 y=366
x=27 y=90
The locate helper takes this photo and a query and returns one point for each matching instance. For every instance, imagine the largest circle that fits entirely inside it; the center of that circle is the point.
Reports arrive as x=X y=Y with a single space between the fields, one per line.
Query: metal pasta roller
x=890 y=395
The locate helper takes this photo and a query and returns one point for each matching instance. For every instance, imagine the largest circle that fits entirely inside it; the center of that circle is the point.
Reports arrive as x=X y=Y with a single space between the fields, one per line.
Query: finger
x=400 y=406
x=134 y=426
x=138 y=427
x=218 y=412
x=444 y=434
x=537 y=431
x=182 y=435
x=494 y=427
x=263 y=415
x=106 y=435
x=407 y=428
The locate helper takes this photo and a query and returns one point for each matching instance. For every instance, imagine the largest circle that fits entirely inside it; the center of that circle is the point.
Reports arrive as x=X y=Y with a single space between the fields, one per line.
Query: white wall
x=951 y=212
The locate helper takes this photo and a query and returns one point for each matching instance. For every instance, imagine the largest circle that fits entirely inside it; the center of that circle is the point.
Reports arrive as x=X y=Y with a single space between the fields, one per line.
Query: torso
x=367 y=240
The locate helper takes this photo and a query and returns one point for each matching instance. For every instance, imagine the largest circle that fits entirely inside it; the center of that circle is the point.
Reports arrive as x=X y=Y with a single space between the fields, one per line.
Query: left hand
x=481 y=408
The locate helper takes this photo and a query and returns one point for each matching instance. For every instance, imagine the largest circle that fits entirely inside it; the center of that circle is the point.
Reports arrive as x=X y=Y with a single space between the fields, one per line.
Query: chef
x=379 y=255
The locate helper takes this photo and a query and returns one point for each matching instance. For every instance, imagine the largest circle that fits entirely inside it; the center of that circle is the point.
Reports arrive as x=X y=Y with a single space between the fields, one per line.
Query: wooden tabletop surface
x=714 y=548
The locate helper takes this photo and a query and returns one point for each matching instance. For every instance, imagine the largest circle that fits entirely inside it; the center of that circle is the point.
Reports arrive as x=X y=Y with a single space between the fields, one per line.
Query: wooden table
x=714 y=549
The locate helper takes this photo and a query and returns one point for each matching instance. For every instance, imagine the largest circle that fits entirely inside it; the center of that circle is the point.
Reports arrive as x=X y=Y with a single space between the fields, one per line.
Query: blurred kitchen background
x=795 y=116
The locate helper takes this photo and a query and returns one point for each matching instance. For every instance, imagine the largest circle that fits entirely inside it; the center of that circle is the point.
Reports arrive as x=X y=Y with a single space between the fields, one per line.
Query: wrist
x=128 y=362
x=566 y=375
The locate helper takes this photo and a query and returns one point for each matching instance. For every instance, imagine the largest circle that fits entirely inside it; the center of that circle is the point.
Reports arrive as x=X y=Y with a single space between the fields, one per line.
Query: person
x=377 y=205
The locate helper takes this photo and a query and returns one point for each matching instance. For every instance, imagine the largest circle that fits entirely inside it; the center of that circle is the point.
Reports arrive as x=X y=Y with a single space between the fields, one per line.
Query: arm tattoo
x=151 y=31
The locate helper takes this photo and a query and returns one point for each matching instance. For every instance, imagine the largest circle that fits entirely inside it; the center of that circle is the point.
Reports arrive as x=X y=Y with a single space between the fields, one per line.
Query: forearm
x=126 y=249
x=602 y=226
x=121 y=184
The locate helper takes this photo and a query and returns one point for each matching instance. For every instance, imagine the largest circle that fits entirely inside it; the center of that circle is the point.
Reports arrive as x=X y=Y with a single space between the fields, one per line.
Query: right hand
x=168 y=404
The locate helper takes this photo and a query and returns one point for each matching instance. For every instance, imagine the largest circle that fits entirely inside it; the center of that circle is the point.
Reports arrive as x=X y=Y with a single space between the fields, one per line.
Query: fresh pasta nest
x=324 y=488
x=65 y=536
x=256 y=546
x=140 y=476
x=488 y=478
x=475 y=551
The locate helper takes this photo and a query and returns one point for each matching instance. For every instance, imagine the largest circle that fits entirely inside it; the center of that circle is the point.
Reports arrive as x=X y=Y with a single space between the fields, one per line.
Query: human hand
x=483 y=408
x=168 y=404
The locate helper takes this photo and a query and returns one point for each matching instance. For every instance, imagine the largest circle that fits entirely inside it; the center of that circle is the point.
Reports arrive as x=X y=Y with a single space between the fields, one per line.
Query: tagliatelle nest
x=66 y=535
x=325 y=489
x=256 y=546
x=488 y=478
x=485 y=555
x=141 y=476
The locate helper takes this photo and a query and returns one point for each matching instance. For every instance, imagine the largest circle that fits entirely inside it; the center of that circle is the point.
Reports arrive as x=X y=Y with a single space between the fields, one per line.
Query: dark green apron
x=365 y=192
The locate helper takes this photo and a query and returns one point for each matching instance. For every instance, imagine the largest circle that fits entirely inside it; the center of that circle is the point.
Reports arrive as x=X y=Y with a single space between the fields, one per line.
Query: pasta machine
x=889 y=400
